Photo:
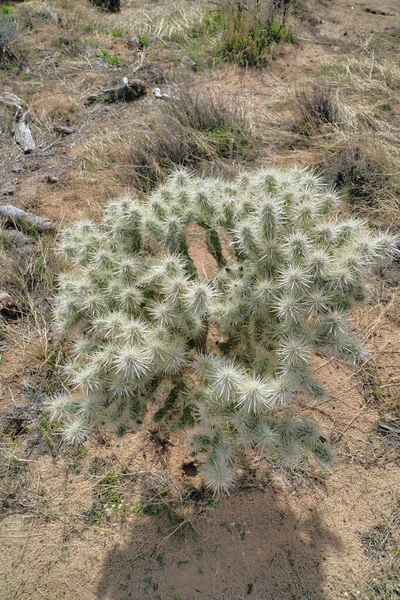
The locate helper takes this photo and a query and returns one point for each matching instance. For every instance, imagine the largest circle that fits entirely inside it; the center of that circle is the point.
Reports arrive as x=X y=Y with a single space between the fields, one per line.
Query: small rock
x=186 y=61
x=4 y=298
x=135 y=41
x=52 y=179
x=7 y=190
x=209 y=521
x=18 y=168
x=17 y=238
x=8 y=305
x=157 y=93
x=64 y=130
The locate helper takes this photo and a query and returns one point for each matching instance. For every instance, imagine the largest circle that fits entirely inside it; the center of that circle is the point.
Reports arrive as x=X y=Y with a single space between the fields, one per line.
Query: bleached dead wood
x=20 y=128
x=22 y=132
x=17 y=217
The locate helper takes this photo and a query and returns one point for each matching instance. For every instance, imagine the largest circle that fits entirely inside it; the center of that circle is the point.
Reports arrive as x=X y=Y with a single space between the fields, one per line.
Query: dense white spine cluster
x=138 y=312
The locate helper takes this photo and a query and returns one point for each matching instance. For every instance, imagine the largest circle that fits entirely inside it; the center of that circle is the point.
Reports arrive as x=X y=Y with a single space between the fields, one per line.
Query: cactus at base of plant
x=138 y=312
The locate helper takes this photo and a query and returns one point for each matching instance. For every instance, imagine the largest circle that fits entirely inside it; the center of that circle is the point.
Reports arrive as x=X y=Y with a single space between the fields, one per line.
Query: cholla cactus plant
x=138 y=312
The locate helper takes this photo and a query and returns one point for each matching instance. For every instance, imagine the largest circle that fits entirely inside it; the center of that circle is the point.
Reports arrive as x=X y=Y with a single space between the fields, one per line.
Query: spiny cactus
x=138 y=313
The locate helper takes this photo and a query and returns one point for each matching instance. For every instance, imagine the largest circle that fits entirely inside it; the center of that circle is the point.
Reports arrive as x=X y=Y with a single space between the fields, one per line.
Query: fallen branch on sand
x=17 y=217
x=127 y=92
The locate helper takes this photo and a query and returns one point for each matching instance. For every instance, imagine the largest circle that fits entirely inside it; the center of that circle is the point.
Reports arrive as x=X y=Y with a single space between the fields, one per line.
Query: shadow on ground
x=252 y=545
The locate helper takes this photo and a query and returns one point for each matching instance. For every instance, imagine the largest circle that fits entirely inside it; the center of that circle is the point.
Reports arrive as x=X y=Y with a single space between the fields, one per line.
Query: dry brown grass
x=28 y=275
x=316 y=108
x=187 y=130
x=349 y=116
x=382 y=546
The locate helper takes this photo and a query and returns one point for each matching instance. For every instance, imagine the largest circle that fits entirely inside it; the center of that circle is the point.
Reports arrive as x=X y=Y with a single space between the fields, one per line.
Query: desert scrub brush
x=137 y=313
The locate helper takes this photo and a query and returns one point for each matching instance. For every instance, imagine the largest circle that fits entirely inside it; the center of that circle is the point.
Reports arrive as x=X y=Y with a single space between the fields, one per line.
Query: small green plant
x=160 y=560
x=115 y=32
x=104 y=54
x=6 y=10
x=182 y=562
x=139 y=313
x=5 y=243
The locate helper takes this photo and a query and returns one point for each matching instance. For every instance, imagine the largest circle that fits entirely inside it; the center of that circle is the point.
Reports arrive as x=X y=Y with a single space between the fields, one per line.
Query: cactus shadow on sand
x=252 y=545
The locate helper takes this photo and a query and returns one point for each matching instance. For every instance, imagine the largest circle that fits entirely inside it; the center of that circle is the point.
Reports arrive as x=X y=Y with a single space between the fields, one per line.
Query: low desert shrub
x=360 y=168
x=315 y=106
x=11 y=54
x=242 y=32
x=187 y=130
x=249 y=31
x=138 y=313
x=166 y=146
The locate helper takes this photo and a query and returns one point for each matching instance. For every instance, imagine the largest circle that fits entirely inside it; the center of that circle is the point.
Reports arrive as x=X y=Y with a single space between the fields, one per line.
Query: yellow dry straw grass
x=164 y=20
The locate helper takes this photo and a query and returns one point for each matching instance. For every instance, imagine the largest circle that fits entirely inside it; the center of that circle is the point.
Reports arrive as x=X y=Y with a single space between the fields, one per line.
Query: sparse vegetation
x=127 y=516
x=359 y=154
x=188 y=130
x=382 y=545
x=248 y=34
x=316 y=106
x=235 y=32
x=11 y=53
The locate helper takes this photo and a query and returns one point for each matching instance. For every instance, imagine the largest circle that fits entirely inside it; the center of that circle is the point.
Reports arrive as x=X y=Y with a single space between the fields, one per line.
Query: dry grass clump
x=316 y=106
x=348 y=113
x=167 y=145
x=12 y=477
x=382 y=545
x=11 y=52
x=360 y=166
x=191 y=130
x=28 y=268
x=250 y=30
x=188 y=130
